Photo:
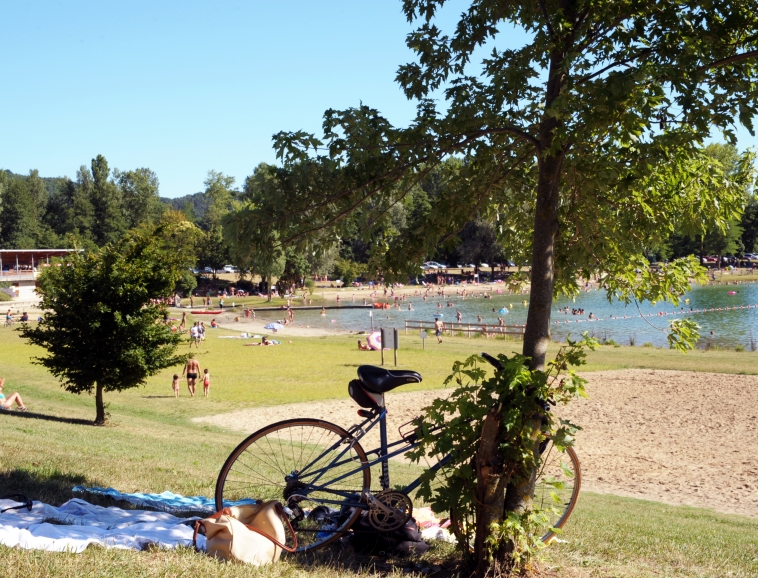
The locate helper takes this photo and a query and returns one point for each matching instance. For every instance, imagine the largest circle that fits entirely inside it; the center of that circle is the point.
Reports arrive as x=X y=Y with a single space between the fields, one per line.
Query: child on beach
x=206 y=382
x=175 y=385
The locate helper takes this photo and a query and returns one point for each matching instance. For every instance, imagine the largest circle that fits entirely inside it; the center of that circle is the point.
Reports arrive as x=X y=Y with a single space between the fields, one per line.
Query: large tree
x=99 y=329
x=109 y=223
x=583 y=141
x=20 y=228
x=139 y=196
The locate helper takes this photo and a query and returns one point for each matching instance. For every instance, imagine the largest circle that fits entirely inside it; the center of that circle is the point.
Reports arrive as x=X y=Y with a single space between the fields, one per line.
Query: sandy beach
x=669 y=436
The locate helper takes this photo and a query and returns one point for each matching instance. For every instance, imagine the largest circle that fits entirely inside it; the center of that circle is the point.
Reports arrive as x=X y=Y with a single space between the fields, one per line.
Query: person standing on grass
x=7 y=402
x=192 y=369
x=206 y=382
x=438 y=327
x=175 y=386
x=195 y=336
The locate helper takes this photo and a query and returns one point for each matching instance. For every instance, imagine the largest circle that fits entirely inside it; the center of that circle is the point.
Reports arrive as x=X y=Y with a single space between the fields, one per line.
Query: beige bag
x=253 y=534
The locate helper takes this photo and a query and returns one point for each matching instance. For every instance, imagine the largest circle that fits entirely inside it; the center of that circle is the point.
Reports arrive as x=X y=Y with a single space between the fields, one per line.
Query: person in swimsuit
x=363 y=346
x=7 y=402
x=206 y=382
x=438 y=327
x=175 y=385
x=191 y=368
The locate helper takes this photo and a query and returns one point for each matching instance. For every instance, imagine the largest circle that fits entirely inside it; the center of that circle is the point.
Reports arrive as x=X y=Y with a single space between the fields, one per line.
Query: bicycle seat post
x=384 y=479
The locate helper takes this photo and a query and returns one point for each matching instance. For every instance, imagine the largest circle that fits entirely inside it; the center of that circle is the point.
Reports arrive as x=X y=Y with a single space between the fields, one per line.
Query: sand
x=669 y=436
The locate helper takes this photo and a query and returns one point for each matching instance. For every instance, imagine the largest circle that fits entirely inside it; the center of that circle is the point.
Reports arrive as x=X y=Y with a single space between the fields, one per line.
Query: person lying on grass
x=363 y=346
x=264 y=341
x=7 y=403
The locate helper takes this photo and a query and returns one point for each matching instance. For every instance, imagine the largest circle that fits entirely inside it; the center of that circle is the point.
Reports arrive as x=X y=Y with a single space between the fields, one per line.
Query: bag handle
x=280 y=512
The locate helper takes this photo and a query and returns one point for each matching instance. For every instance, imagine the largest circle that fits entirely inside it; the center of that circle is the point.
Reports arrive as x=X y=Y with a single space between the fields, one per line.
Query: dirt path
x=670 y=436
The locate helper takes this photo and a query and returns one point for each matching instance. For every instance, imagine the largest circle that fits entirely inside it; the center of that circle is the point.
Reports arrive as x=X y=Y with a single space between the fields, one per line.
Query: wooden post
x=382 y=344
x=394 y=345
x=469 y=330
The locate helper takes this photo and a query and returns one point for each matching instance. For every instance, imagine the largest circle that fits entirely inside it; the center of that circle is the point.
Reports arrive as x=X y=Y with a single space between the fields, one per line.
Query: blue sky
x=186 y=87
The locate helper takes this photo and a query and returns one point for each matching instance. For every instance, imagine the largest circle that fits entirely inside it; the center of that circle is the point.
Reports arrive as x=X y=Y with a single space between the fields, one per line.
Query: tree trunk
x=99 y=405
x=519 y=496
x=537 y=333
x=490 y=494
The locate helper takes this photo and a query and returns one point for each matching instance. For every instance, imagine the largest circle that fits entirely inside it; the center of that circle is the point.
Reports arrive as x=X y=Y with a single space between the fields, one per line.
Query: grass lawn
x=151 y=445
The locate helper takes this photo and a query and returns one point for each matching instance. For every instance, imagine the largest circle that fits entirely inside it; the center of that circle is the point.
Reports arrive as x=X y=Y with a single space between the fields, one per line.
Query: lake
x=623 y=323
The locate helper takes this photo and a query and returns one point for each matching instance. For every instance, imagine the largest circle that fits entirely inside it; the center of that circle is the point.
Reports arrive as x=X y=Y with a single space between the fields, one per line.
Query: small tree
x=100 y=330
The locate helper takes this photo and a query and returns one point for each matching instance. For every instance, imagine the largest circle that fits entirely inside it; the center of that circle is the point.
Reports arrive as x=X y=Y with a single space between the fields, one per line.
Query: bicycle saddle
x=378 y=380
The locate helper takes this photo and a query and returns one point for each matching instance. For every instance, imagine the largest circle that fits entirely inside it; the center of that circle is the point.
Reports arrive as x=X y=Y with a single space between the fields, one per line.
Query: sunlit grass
x=152 y=445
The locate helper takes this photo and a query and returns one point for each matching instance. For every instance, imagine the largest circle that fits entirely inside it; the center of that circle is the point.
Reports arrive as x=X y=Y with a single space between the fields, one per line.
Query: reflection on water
x=623 y=323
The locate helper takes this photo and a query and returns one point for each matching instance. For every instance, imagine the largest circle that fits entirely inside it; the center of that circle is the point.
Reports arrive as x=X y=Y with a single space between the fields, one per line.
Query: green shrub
x=647 y=344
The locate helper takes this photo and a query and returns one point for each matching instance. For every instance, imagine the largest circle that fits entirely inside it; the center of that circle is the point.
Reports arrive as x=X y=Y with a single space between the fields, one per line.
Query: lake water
x=729 y=326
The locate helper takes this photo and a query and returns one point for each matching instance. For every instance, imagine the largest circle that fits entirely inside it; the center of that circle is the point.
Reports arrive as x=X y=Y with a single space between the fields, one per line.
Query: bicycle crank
x=389 y=510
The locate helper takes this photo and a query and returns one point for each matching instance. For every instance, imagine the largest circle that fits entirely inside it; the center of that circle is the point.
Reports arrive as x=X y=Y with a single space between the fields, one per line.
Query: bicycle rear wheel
x=313 y=467
x=557 y=488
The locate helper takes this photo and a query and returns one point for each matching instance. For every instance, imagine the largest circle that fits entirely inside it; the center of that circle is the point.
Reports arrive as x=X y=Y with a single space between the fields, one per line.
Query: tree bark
x=537 y=333
x=99 y=405
x=490 y=493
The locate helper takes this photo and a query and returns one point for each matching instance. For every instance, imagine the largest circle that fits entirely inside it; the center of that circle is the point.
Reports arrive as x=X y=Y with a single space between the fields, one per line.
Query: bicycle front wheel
x=557 y=488
x=313 y=467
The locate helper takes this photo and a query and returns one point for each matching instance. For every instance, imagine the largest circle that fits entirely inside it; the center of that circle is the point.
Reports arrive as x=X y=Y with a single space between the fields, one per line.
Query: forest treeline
x=99 y=205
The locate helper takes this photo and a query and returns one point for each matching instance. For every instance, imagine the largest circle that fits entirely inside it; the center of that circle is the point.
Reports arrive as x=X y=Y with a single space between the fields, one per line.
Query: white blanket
x=77 y=524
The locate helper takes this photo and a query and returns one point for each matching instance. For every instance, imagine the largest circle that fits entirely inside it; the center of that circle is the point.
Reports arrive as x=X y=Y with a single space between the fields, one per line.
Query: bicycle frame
x=384 y=452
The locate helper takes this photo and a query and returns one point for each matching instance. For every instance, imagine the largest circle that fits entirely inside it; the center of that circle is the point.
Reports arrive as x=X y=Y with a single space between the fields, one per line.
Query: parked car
x=484 y=265
x=230 y=269
x=430 y=265
x=208 y=270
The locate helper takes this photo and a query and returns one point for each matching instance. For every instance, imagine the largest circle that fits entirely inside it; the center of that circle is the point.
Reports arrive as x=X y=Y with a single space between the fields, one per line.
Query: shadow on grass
x=441 y=560
x=157 y=397
x=46 y=417
x=46 y=485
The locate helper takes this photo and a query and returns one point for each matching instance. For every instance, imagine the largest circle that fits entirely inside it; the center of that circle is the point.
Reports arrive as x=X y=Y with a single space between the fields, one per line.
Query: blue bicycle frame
x=384 y=452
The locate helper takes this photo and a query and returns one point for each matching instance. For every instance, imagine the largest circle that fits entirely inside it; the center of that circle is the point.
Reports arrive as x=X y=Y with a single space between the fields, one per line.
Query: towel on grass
x=77 y=524
x=166 y=501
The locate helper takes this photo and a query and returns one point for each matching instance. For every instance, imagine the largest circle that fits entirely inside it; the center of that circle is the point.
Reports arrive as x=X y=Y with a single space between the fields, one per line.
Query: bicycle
x=323 y=475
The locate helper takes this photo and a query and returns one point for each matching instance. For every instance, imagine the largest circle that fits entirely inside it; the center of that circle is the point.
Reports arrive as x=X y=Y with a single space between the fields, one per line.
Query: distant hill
x=198 y=202
x=51 y=183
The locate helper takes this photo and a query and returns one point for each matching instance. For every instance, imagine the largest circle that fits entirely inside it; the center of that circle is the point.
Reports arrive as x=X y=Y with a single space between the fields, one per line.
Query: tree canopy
x=100 y=330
